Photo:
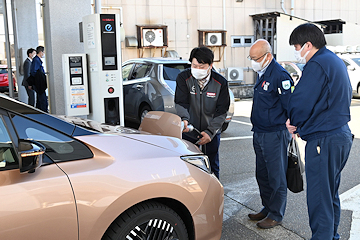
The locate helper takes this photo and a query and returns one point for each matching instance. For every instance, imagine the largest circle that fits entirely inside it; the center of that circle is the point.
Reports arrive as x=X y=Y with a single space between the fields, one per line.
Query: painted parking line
x=235 y=138
x=350 y=201
x=245 y=123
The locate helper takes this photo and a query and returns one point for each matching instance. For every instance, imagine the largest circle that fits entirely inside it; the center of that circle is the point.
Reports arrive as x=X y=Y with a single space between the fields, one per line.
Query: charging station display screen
x=108 y=37
x=109 y=61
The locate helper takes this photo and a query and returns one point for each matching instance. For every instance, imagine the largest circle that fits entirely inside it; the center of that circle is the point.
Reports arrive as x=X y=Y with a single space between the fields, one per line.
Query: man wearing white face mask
x=202 y=99
x=271 y=138
x=319 y=111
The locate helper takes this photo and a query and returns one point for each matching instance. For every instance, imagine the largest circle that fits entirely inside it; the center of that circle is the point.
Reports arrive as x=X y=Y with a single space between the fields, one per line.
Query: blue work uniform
x=271 y=138
x=320 y=108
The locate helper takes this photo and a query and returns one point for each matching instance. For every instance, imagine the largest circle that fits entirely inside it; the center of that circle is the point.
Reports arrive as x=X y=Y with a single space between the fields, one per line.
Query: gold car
x=59 y=180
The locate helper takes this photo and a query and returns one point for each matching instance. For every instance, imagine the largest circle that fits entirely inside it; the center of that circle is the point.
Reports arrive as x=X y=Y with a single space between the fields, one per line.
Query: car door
x=38 y=205
x=134 y=87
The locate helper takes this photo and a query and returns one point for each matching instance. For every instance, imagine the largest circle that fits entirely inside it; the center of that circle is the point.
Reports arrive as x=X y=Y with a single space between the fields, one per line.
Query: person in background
x=26 y=66
x=319 y=111
x=271 y=138
x=39 y=79
x=202 y=99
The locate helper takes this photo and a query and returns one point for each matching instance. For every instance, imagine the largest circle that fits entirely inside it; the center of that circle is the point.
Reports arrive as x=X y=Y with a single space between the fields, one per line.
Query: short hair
x=39 y=49
x=202 y=55
x=307 y=32
x=30 y=50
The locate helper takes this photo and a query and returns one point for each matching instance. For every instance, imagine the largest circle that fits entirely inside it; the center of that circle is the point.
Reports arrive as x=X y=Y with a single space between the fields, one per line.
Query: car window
x=140 y=70
x=170 y=71
x=357 y=61
x=290 y=68
x=8 y=159
x=126 y=71
x=59 y=147
x=3 y=70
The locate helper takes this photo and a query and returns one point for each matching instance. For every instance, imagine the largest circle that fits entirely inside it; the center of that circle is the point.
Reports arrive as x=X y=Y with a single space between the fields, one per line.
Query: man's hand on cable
x=186 y=123
x=205 y=139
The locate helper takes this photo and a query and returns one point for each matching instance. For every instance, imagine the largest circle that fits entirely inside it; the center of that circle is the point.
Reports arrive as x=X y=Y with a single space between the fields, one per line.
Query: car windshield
x=357 y=61
x=3 y=70
x=172 y=70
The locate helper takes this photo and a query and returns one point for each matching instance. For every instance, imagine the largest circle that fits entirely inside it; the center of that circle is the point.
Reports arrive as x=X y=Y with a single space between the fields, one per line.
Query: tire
x=144 y=110
x=224 y=126
x=147 y=220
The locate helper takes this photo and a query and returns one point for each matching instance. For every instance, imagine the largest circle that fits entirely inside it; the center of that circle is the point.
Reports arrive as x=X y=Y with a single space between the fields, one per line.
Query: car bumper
x=208 y=218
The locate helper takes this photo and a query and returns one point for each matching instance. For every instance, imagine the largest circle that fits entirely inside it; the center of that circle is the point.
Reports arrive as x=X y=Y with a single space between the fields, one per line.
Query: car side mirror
x=31 y=154
x=350 y=68
x=295 y=75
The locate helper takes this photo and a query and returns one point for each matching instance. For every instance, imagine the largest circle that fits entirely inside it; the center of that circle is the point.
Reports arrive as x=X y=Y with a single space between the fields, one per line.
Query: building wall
x=185 y=17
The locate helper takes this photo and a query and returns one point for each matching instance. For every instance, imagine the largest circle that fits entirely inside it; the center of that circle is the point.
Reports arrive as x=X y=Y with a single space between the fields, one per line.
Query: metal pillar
x=7 y=49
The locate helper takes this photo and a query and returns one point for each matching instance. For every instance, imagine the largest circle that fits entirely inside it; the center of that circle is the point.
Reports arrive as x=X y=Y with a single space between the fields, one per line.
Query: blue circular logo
x=108 y=27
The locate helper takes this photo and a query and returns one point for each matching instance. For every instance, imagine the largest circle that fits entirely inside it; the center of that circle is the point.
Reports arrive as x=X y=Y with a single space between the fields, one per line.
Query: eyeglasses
x=248 y=57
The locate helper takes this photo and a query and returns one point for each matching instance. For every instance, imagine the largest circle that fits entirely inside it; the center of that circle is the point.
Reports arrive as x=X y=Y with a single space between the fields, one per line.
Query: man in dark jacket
x=39 y=79
x=319 y=110
x=26 y=66
x=271 y=138
x=202 y=99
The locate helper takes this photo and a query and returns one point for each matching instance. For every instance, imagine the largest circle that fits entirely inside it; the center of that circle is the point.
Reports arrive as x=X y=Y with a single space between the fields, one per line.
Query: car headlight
x=201 y=161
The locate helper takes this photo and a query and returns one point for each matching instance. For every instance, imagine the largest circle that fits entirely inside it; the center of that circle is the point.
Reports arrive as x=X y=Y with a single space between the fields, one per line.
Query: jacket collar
x=267 y=72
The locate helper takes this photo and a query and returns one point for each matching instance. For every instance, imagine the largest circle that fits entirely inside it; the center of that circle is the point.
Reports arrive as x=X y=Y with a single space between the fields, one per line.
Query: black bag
x=294 y=177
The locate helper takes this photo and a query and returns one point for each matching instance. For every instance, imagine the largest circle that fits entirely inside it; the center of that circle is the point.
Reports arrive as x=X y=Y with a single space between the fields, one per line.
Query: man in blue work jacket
x=271 y=138
x=319 y=110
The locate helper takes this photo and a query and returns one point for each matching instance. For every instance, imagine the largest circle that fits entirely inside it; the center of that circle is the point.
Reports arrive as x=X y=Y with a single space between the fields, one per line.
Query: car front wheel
x=148 y=220
x=144 y=110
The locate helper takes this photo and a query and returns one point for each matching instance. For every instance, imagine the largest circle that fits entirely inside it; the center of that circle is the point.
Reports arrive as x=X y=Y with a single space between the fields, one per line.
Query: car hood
x=140 y=144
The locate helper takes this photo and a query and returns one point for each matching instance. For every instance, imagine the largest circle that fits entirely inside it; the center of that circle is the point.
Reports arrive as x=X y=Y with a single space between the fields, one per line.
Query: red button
x=111 y=90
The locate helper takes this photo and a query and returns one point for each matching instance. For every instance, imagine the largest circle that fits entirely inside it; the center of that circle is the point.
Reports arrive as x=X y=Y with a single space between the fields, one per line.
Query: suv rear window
x=171 y=71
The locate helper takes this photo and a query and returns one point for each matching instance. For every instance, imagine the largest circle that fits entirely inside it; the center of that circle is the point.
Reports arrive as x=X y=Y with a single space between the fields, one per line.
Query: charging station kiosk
x=101 y=37
x=75 y=84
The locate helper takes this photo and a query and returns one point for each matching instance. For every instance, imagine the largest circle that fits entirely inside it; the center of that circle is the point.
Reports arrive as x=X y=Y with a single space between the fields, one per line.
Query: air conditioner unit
x=234 y=74
x=153 y=37
x=213 y=39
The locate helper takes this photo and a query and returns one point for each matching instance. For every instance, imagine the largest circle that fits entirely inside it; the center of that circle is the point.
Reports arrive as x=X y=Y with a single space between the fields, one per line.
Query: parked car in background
x=4 y=79
x=295 y=69
x=149 y=85
x=71 y=178
x=352 y=62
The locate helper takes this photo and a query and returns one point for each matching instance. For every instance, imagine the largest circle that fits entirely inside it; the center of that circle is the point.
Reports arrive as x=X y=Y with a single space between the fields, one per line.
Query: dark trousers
x=42 y=102
x=211 y=149
x=271 y=166
x=31 y=96
x=325 y=158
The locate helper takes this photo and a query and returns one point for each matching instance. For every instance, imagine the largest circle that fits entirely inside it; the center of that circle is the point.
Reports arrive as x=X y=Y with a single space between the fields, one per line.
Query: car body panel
x=37 y=205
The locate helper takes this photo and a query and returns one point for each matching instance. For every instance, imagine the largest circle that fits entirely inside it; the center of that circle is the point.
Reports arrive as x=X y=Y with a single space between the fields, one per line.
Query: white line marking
x=245 y=123
x=235 y=138
x=350 y=201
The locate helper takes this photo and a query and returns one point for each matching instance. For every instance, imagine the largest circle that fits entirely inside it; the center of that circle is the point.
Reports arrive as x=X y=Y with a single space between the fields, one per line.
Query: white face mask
x=258 y=66
x=298 y=56
x=199 y=73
